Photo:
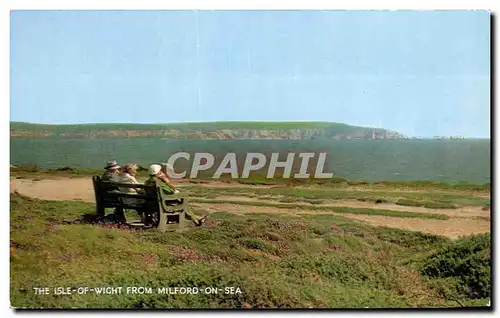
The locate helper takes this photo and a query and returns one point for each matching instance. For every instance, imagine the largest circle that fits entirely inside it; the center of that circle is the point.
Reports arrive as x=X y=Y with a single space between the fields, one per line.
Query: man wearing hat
x=156 y=176
x=111 y=172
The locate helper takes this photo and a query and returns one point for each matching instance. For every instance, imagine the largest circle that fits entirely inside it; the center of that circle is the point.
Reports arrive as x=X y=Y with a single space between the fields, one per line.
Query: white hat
x=154 y=169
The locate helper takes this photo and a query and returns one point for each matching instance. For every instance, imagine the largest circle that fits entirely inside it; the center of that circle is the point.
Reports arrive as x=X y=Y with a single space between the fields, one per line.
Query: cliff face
x=341 y=132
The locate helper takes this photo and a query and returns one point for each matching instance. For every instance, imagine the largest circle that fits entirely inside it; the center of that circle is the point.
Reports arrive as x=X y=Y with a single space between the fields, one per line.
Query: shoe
x=201 y=220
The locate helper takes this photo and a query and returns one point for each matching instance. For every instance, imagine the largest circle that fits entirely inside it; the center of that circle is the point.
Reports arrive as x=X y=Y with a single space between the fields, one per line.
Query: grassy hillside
x=294 y=130
x=299 y=261
x=209 y=126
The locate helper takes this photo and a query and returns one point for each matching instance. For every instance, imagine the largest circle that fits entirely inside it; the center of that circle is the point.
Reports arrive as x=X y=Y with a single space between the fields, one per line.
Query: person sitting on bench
x=157 y=177
x=128 y=176
x=111 y=172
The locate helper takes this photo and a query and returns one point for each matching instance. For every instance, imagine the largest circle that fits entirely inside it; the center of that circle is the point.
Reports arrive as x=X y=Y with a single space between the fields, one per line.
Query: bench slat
x=107 y=184
x=128 y=195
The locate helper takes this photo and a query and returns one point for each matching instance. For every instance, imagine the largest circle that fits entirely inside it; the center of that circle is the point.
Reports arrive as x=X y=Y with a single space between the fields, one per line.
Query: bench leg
x=162 y=222
x=164 y=226
x=100 y=212
x=150 y=218
x=120 y=213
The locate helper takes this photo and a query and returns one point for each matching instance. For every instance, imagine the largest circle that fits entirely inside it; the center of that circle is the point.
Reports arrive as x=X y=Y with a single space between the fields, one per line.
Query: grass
x=466 y=186
x=206 y=125
x=429 y=199
x=286 y=261
x=328 y=129
x=349 y=210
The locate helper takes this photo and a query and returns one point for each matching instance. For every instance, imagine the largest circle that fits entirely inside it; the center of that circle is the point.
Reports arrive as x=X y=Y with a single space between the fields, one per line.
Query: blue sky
x=418 y=73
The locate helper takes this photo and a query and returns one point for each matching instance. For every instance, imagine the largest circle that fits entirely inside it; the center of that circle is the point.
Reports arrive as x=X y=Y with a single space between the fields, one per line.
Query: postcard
x=250 y=159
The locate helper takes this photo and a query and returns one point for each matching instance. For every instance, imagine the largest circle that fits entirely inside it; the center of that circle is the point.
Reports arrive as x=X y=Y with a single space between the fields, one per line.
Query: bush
x=426 y=204
x=409 y=202
x=467 y=260
x=256 y=244
x=439 y=205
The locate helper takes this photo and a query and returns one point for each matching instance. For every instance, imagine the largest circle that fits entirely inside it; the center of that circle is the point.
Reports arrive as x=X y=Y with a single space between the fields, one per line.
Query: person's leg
x=144 y=217
x=198 y=221
x=141 y=210
x=138 y=206
x=169 y=189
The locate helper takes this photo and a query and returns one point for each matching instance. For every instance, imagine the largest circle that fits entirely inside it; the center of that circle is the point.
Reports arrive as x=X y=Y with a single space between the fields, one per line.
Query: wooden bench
x=164 y=211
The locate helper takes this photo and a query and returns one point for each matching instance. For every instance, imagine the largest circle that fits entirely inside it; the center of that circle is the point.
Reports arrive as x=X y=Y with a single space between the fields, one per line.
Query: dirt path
x=468 y=211
x=55 y=189
x=463 y=221
x=452 y=228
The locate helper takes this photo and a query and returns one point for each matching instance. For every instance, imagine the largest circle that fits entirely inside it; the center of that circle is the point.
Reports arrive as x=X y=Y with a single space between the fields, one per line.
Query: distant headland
x=211 y=130
x=204 y=130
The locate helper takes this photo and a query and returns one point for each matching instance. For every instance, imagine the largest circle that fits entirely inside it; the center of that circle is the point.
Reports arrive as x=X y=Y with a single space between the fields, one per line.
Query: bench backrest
x=107 y=189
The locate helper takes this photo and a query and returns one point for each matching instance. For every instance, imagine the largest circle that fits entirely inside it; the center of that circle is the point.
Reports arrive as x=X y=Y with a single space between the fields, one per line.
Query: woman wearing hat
x=157 y=177
x=111 y=172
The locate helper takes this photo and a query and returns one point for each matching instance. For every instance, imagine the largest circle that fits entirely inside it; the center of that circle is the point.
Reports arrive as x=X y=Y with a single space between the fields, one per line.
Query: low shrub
x=468 y=261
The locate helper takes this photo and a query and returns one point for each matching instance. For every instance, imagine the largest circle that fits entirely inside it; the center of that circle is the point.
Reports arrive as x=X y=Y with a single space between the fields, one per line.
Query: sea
x=366 y=160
